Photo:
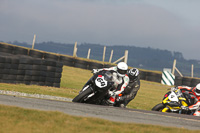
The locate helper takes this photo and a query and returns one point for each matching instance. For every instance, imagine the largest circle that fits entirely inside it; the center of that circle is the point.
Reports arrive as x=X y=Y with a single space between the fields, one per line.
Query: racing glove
x=94 y=71
x=111 y=93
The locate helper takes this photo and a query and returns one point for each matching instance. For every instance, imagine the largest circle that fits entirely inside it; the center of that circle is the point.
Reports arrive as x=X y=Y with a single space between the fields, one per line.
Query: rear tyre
x=82 y=96
x=159 y=107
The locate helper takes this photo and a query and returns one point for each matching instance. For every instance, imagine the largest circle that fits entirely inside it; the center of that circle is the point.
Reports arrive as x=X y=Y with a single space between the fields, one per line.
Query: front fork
x=165 y=109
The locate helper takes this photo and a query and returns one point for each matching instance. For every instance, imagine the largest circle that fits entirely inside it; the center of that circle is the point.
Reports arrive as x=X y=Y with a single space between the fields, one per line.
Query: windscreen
x=108 y=76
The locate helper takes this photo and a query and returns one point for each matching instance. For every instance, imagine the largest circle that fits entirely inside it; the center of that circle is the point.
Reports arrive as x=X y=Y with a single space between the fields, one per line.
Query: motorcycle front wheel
x=159 y=107
x=80 y=98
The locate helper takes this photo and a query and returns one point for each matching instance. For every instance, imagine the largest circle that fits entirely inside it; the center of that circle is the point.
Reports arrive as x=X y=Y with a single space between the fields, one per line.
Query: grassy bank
x=18 y=120
x=14 y=119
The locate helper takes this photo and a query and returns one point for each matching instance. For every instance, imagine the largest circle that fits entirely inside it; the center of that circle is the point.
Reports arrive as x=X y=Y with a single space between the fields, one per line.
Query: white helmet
x=197 y=90
x=122 y=68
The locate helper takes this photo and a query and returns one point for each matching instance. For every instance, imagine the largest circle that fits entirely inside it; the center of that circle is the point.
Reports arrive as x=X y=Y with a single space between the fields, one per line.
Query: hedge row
x=28 y=70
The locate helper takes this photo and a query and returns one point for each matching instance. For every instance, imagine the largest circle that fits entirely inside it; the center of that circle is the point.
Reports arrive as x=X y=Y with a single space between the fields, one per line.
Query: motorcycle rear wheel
x=82 y=96
x=159 y=107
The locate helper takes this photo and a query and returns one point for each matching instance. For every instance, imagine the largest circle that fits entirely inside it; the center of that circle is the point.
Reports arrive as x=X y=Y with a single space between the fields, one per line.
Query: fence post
x=88 y=56
x=104 y=52
x=111 y=54
x=33 y=44
x=192 y=71
x=75 y=49
x=126 y=56
x=119 y=59
x=179 y=72
x=174 y=66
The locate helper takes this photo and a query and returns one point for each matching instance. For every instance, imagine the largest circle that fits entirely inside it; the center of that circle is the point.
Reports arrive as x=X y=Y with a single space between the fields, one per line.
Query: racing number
x=101 y=81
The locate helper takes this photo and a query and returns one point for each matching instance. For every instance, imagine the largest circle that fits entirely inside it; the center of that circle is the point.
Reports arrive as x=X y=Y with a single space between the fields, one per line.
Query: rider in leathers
x=194 y=93
x=120 y=79
x=131 y=90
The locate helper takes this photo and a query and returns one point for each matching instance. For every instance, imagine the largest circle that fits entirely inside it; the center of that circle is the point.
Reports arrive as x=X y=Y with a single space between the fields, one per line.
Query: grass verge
x=14 y=119
x=18 y=120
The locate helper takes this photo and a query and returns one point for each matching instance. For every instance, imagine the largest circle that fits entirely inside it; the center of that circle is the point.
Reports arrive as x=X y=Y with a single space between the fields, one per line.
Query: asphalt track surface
x=105 y=112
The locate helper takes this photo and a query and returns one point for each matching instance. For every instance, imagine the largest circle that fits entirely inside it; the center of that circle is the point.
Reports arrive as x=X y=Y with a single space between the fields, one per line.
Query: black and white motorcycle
x=96 y=90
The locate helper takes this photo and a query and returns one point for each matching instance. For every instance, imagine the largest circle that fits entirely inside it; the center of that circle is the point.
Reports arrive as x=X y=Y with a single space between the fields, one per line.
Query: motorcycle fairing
x=101 y=82
x=173 y=97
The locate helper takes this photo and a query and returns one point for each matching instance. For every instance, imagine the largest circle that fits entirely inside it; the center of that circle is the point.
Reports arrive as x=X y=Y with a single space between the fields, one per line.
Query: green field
x=14 y=119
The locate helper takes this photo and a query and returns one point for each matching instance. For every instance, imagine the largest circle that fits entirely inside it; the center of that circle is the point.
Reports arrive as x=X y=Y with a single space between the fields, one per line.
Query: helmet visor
x=197 y=91
x=121 y=71
x=132 y=77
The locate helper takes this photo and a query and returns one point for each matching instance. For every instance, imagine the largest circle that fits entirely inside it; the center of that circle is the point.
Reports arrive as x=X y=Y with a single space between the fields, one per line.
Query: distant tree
x=178 y=55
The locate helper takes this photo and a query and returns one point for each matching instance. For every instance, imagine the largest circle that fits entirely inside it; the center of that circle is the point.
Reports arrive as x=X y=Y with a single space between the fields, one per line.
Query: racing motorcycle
x=96 y=90
x=173 y=101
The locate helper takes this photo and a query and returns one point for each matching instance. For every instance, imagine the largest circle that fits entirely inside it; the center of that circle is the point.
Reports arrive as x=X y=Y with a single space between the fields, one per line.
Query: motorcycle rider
x=120 y=79
x=194 y=94
x=131 y=89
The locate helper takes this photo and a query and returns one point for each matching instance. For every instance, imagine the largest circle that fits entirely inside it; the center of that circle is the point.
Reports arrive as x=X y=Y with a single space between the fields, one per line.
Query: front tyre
x=80 y=98
x=159 y=107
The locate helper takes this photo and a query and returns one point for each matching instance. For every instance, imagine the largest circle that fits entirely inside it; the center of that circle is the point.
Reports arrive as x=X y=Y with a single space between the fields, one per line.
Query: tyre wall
x=46 y=79
x=154 y=77
x=30 y=71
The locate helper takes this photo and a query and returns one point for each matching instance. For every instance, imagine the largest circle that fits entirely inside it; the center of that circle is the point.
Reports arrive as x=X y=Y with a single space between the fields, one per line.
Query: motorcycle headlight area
x=101 y=82
x=173 y=97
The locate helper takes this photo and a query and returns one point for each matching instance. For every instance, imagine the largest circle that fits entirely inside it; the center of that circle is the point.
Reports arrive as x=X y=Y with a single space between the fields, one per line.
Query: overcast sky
x=165 y=24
